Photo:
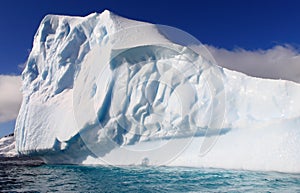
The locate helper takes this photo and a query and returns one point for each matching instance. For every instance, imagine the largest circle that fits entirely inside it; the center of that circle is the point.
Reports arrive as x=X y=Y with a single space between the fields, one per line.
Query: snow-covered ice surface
x=103 y=89
x=7 y=146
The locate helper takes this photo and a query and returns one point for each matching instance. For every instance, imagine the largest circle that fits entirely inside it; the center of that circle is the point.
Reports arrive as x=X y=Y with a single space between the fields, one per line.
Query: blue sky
x=6 y=128
x=259 y=29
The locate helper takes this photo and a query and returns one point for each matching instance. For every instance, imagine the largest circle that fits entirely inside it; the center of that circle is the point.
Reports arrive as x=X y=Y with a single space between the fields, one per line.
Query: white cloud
x=10 y=97
x=279 y=62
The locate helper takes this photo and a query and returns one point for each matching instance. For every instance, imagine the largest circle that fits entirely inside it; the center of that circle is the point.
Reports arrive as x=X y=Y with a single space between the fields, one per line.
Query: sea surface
x=33 y=176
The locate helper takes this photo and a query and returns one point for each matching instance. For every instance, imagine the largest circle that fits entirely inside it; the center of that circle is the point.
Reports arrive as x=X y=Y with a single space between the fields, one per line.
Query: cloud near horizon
x=279 y=62
x=10 y=97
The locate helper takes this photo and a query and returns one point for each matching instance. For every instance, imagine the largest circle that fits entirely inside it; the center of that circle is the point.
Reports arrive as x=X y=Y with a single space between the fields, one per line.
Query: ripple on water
x=68 y=178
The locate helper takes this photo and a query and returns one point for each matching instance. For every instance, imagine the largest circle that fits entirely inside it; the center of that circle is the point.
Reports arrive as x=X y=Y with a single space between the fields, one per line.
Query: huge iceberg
x=103 y=89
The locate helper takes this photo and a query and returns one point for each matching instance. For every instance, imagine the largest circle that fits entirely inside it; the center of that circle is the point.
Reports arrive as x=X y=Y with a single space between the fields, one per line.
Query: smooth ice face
x=103 y=89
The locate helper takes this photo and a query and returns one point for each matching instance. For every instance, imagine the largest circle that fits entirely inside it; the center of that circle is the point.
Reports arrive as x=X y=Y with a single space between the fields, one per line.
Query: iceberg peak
x=106 y=12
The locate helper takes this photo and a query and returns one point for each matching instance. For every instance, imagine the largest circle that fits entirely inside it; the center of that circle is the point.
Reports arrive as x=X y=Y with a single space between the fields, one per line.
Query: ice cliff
x=7 y=146
x=103 y=89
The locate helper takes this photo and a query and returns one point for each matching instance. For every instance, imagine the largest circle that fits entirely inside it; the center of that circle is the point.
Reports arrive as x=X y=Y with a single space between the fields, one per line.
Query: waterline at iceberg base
x=103 y=89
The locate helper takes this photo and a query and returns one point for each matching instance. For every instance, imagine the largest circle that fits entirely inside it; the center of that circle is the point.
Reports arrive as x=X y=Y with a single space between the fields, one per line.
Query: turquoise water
x=69 y=178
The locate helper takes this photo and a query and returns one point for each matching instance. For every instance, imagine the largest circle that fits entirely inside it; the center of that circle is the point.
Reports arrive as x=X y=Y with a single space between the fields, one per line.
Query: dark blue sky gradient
x=228 y=24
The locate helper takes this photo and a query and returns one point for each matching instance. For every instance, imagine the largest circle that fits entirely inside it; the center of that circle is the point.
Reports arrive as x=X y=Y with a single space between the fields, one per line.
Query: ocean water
x=70 y=178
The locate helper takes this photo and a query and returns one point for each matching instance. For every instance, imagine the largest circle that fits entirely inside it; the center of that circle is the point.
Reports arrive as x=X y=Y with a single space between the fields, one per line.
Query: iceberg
x=7 y=146
x=103 y=89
